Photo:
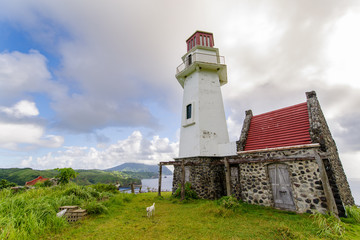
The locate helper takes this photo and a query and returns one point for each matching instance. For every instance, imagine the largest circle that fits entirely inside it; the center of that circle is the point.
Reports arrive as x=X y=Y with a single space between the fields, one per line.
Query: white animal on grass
x=150 y=210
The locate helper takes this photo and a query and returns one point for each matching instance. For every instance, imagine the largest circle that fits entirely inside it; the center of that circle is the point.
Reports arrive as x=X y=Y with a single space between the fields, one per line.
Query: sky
x=91 y=84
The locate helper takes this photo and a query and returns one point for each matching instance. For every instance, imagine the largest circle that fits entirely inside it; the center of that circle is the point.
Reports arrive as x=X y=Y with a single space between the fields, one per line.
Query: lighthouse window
x=201 y=40
x=188 y=111
x=189 y=60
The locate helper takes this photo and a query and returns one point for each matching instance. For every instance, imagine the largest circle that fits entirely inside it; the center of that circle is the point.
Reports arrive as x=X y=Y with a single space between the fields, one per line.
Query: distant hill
x=139 y=167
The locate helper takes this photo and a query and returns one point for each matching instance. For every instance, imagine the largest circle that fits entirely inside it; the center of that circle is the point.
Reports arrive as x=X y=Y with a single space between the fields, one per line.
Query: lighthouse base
x=205 y=174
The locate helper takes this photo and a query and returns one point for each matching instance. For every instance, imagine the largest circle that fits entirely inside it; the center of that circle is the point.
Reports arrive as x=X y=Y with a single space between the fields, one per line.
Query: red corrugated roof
x=34 y=181
x=280 y=128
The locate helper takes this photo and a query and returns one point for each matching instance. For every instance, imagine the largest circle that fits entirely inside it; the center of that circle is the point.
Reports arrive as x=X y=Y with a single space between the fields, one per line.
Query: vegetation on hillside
x=85 y=177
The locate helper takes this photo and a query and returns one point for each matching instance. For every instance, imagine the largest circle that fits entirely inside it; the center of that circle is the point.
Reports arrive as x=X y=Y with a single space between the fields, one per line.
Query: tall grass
x=353 y=212
x=28 y=214
x=329 y=226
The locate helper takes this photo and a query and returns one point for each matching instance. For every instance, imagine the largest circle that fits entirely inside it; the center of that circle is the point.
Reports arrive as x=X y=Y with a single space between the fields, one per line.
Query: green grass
x=195 y=219
x=32 y=215
x=26 y=215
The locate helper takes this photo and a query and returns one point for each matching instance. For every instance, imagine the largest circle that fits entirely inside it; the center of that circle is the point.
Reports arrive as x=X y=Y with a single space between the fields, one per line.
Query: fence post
x=160 y=177
x=132 y=187
x=227 y=176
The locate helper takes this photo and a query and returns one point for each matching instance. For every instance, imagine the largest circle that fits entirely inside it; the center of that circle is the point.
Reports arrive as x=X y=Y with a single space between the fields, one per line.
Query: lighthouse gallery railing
x=200 y=57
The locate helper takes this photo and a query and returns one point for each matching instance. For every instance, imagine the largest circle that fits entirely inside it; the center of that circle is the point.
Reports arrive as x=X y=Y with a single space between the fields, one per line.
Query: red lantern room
x=200 y=38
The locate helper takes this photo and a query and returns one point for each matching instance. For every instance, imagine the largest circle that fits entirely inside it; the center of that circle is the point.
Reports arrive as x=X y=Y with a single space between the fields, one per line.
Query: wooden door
x=281 y=186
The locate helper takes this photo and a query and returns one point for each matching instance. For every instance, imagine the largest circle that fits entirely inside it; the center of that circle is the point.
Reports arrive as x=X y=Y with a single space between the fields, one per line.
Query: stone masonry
x=206 y=175
x=320 y=133
x=307 y=189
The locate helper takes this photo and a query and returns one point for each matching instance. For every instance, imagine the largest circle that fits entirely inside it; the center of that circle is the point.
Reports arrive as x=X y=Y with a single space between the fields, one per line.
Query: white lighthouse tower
x=203 y=124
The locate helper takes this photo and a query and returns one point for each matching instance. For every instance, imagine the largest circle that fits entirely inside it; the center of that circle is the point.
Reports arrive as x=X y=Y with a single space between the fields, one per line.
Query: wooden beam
x=330 y=200
x=182 y=180
x=132 y=187
x=227 y=176
x=160 y=177
x=270 y=159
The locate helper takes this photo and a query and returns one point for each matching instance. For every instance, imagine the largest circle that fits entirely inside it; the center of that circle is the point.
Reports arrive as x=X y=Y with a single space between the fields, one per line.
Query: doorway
x=281 y=186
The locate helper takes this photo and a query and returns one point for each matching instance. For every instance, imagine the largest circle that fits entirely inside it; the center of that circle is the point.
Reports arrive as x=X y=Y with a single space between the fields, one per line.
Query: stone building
x=285 y=158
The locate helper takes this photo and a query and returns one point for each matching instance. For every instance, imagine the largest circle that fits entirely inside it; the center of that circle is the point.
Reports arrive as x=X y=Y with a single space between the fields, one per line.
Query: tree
x=66 y=174
x=6 y=184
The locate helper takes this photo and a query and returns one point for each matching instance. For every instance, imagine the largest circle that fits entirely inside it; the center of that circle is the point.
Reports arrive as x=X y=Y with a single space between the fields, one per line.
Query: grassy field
x=112 y=215
x=195 y=219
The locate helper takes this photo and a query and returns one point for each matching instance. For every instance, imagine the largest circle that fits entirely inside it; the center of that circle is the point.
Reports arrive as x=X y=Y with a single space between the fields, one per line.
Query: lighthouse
x=203 y=123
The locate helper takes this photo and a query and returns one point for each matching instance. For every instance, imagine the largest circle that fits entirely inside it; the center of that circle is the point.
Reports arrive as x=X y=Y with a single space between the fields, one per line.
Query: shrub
x=101 y=187
x=6 y=184
x=78 y=191
x=228 y=202
x=95 y=208
x=353 y=212
x=189 y=192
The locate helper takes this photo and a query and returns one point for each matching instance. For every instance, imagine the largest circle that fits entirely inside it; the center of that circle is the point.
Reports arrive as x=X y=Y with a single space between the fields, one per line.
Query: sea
x=151 y=185
x=166 y=186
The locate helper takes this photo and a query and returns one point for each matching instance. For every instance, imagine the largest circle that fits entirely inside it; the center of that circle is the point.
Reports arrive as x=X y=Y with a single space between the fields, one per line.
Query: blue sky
x=91 y=84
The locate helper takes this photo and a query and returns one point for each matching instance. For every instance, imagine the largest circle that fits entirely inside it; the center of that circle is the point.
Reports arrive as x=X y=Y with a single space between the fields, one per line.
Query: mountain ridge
x=139 y=167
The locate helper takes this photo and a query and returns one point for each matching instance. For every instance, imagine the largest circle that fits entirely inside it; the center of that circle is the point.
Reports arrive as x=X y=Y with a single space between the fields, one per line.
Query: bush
x=78 y=191
x=189 y=192
x=46 y=183
x=6 y=184
x=95 y=208
x=101 y=187
x=228 y=202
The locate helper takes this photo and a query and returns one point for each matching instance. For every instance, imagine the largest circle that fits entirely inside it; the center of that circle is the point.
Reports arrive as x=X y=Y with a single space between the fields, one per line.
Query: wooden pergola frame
x=227 y=161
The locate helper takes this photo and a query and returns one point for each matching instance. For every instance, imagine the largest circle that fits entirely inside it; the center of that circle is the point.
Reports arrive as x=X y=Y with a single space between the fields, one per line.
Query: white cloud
x=234 y=127
x=22 y=73
x=13 y=134
x=21 y=109
x=20 y=127
x=135 y=148
x=350 y=161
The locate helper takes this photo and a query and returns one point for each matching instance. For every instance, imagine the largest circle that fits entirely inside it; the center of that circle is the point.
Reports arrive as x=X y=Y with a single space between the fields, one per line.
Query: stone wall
x=320 y=133
x=255 y=186
x=240 y=145
x=206 y=175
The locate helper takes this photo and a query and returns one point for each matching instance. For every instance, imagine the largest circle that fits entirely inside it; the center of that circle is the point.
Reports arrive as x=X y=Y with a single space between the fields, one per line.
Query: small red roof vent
x=280 y=128
x=200 y=38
